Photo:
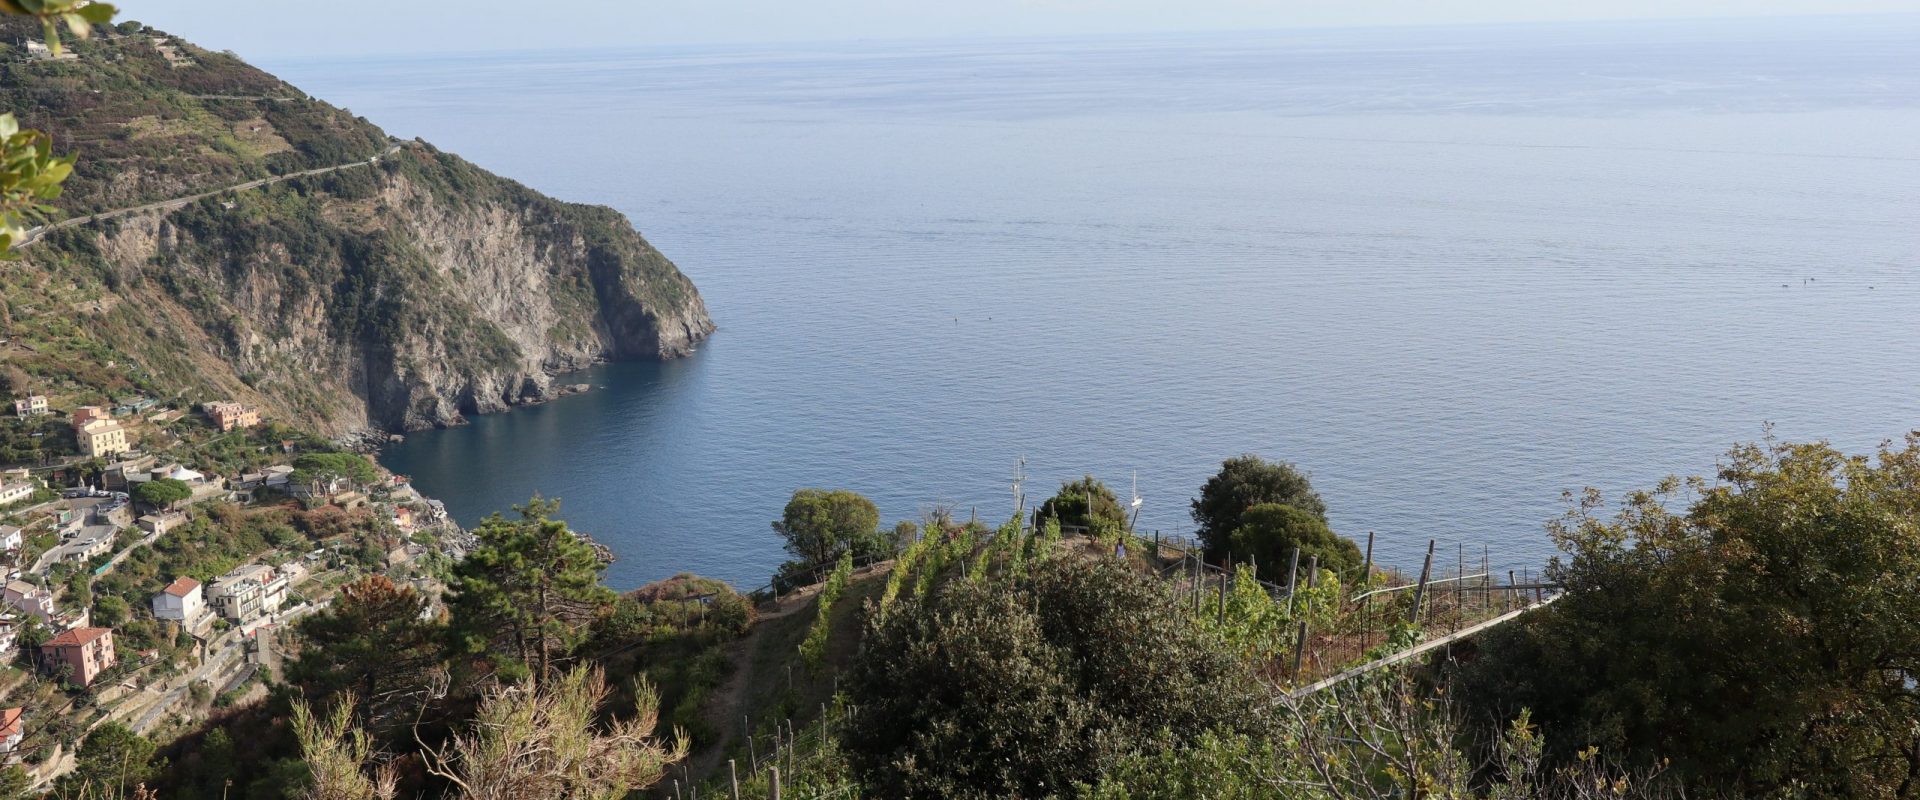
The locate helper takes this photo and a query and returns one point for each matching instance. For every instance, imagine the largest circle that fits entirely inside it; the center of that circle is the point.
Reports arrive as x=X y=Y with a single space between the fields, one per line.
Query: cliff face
x=392 y=293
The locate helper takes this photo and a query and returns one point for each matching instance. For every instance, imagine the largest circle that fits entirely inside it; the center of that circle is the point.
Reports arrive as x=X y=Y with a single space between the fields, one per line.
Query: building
x=9 y=636
x=183 y=601
x=39 y=51
x=31 y=406
x=102 y=438
x=87 y=548
x=86 y=414
x=12 y=538
x=83 y=652
x=159 y=524
x=16 y=491
x=247 y=593
x=228 y=416
x=13 y=729
x=29 y=599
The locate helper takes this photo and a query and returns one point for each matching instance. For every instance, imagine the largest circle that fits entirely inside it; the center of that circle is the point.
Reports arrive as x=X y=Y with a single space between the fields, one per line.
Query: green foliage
x=1086 y=503
x=821 y=525
x=1242 y=483
x=1025 y=688
x=1761 y=637
x=529 y=591
x=318 y=468
x=30 y=176
x=110 y=763
x=15 y=783
x=79 y=16
x=814 y=648
x=1269 y=533
x=371 y=643
x=162 y=492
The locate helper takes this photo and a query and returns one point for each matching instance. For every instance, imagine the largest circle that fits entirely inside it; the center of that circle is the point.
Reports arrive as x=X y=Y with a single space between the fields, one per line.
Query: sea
x=1453 y=273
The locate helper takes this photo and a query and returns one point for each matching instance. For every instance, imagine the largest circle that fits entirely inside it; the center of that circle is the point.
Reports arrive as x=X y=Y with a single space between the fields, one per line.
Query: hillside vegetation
x=403 y=290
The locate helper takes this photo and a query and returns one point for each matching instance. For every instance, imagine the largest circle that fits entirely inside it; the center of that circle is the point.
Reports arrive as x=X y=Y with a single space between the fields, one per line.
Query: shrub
x=1269 y=533
x=1027 y=687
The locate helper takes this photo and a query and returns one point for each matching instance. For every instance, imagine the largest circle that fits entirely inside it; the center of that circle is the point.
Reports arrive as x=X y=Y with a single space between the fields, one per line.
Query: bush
x=1762 y=638
x=1269 y=533
x=1242 y=483
x=1025 y=688
x=1086 y=503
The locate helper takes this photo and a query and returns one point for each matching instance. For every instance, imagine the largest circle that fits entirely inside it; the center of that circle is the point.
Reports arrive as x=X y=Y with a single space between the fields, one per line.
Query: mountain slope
x=401 y=288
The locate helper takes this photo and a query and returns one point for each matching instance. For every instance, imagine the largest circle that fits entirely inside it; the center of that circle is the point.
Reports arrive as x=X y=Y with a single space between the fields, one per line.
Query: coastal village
x=87 y=527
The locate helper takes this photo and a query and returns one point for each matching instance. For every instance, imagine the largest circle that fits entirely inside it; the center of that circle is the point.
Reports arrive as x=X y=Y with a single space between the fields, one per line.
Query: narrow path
x=37 y=233
x=723 y=708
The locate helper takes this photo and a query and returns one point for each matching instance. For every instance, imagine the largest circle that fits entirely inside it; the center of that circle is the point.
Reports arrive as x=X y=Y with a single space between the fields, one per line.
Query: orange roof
x=77 y=637
x=10 y=722
x=181 y=587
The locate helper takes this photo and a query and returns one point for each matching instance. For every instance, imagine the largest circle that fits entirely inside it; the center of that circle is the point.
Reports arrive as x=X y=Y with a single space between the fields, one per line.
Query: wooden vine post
x=1420 y=592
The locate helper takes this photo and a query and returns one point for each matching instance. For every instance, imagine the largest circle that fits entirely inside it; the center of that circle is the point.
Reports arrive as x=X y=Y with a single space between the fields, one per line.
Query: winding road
x=36 y=233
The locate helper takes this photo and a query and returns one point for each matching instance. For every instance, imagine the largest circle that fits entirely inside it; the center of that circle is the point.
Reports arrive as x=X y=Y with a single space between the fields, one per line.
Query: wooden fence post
x=1366 y=571
x=1420 y=591
x=753 y=759
x=1293 y=577
x=1222 y=612
x=773 y=783
x=733 y=778
x=1299 y=649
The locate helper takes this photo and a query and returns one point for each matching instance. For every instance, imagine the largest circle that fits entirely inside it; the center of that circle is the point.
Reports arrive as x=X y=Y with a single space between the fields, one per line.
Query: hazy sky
x=296 y=28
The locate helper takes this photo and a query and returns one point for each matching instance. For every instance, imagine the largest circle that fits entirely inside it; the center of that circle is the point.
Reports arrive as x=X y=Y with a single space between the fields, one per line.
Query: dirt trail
x=723 y=709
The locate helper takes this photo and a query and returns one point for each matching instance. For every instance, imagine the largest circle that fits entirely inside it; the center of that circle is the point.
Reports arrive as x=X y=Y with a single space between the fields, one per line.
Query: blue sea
x=1452 y=272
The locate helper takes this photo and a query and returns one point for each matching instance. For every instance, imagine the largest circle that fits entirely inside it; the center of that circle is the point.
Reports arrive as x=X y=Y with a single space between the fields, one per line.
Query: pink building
x=86 y=652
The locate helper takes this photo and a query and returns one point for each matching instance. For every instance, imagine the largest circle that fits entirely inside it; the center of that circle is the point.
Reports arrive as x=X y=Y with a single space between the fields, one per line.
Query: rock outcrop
x=394 y=293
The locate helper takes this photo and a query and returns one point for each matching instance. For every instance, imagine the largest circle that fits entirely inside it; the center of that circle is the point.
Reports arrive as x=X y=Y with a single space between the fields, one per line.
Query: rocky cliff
x=368 y=284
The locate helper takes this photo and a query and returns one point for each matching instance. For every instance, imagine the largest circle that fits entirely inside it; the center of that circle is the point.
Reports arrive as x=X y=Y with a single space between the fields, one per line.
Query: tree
x=16 y=784
x=111 y=763
x=526 y=743
x=1086 y=503
x=162 y=492
x=317 y=469
x=30 y=175
x=1242 y=483
x=530 y=589
x=1269 y=533
x=820 y=525
x=1025 y=687
x=110 y=611
x=1761 y=638
x=374 y=644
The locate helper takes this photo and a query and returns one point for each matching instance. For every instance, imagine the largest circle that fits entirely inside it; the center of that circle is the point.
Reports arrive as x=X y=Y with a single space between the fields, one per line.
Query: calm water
x=1451 y=272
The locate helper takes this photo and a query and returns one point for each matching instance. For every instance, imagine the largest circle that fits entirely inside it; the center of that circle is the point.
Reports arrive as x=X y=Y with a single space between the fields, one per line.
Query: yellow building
x=102 y=438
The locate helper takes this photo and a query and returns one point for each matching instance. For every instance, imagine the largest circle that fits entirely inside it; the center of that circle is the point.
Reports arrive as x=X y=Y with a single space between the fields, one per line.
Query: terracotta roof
x=10 y=722
x=181 y=587
x=77 y=637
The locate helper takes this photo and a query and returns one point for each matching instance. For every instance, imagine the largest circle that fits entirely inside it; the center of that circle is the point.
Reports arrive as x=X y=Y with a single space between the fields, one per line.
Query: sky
x=279 y=29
